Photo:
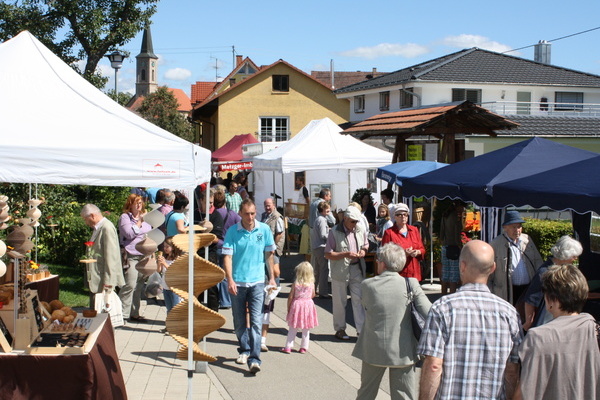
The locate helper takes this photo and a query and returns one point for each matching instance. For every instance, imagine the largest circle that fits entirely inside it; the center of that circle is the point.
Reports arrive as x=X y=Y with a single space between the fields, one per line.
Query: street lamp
x=116 y=61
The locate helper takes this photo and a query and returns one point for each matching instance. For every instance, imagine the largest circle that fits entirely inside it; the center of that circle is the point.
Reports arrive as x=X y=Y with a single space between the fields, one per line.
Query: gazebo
x=442 y=121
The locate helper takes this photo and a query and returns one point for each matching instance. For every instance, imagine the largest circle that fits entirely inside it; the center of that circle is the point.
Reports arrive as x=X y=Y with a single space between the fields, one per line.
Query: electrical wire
x=554 y=40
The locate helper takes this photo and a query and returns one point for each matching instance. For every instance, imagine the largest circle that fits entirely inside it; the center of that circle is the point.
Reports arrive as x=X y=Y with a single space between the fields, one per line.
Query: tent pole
x=190 y=344
x=431 y=242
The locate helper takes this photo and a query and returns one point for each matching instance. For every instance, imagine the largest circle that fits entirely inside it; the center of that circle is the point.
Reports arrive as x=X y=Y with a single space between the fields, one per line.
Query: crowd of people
x=508 y=324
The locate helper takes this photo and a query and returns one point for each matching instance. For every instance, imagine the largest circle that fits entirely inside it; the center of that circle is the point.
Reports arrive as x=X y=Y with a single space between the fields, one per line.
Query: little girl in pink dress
x=302 y=313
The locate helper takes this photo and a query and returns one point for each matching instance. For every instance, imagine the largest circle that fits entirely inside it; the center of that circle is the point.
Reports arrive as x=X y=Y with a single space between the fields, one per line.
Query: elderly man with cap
x=517 y=259
x=346 y=248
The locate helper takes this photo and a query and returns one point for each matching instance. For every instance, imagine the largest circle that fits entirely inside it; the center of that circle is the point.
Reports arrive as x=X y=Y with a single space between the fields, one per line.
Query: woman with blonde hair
x=560 y=359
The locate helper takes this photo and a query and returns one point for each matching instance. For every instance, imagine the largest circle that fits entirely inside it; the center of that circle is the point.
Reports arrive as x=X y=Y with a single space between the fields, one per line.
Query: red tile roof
x=185 y=104
x=201 y=90
x=261 y=70
x=183 y=101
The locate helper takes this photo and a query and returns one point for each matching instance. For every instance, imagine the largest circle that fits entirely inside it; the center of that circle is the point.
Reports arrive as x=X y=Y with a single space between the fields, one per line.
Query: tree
x=78 y=30
x=122 y=97
x=160 y=108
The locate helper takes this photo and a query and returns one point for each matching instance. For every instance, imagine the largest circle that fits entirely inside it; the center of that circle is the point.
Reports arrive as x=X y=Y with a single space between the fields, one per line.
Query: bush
x=62 y=232
x=545 y=233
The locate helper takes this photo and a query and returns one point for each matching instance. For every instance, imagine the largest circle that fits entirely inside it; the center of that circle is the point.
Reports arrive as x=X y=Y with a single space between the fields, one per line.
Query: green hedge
x=545 y=233
x=62 y=232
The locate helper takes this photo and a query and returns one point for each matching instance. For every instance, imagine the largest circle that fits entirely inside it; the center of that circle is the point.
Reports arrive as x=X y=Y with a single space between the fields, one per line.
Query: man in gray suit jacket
x=387 y=339
x=107 y=272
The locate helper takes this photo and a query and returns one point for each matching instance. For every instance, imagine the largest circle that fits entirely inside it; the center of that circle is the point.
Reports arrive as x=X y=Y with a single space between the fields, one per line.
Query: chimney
x=238 y=60
x=542 y=52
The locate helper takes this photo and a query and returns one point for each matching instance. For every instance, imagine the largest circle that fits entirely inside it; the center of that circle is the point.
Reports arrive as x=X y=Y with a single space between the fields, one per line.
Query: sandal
x=138 y=319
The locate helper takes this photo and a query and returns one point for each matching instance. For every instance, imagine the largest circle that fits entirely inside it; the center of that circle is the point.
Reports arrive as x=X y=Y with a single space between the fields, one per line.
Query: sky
x=194 y=39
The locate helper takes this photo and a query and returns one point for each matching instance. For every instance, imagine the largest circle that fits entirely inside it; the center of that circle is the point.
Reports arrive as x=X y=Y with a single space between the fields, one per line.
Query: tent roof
x=232 y=150
x=78 y=135
x=477 y=179
x=397 y=172
x=575 y=186
x=457 y=117
x=319 y=145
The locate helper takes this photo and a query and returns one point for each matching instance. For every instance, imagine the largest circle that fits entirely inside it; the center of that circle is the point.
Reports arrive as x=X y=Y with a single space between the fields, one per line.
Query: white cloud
x=178 y=74
x=408 y=50
x=466 y=41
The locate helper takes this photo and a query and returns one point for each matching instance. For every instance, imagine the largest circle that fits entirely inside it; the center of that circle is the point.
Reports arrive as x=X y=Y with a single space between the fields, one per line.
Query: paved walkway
x=327 y=371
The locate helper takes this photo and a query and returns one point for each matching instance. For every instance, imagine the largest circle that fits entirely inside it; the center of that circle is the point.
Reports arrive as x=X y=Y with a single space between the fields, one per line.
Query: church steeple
x=146 y=66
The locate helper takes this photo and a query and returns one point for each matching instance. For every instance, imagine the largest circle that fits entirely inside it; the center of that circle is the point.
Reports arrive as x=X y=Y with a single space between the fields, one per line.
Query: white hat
x=401 y=207
x=352 y=213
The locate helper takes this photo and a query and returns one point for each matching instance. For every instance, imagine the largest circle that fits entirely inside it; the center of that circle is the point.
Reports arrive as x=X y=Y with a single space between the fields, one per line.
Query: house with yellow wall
x=274 y=103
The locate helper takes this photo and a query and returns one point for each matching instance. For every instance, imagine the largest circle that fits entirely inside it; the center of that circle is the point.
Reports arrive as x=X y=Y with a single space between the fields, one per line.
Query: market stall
x=74 y=134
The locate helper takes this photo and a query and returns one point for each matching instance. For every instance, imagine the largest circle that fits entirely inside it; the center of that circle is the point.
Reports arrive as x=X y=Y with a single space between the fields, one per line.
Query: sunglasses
x=353 y=222
x=402 y=215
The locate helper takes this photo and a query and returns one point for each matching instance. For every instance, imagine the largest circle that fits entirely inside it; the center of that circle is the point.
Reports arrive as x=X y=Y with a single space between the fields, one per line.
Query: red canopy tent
x=228 y=156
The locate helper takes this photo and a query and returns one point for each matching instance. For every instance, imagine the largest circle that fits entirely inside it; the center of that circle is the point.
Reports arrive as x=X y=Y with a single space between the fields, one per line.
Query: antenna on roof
x=233 y=57
x=216 y=67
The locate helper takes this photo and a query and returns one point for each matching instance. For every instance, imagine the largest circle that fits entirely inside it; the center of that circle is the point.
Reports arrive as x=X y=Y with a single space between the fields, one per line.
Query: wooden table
x=96 y=375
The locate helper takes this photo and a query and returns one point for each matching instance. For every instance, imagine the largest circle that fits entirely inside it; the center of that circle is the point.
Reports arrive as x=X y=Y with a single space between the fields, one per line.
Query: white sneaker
x=254 y=368
x=242 y=359
x=263 y=347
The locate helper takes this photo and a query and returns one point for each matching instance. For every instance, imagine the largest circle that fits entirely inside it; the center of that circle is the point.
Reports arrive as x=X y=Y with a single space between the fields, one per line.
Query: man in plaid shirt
x=471 y=337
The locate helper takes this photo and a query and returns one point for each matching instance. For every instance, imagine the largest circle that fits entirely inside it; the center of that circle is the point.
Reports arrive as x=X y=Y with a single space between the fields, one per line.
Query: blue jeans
x=248 y=338
x=171 y=299
x=224 y=298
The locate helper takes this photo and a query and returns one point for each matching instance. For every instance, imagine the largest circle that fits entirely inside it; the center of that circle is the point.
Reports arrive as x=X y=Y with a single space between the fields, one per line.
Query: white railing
x=543 y=108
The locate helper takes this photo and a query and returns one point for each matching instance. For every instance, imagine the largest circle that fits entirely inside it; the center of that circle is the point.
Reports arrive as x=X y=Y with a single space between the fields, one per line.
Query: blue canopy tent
x=536 y=172
x=475 y=179
x=395 y=173
x=575 y=187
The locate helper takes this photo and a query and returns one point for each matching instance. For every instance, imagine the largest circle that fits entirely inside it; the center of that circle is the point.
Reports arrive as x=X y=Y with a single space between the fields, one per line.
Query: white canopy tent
x=327 y=156
x=57 y=128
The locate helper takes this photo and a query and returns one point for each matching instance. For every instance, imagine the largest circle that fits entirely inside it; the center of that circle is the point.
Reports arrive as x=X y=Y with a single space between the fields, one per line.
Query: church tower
x=147 y=67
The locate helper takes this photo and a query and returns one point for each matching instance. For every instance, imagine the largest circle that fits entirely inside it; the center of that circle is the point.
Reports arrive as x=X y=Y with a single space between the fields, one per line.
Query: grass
x=72 y=290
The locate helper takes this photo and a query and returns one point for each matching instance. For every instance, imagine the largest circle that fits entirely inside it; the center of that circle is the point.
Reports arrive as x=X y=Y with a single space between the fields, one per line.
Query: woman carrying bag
x=387 y=339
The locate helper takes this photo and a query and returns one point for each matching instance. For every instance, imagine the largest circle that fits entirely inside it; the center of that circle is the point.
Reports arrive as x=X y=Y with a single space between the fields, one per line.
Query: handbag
x=417 y=320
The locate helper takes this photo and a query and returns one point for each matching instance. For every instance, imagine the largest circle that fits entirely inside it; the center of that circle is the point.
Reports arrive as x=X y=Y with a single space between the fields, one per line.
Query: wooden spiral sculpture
x=206 y=275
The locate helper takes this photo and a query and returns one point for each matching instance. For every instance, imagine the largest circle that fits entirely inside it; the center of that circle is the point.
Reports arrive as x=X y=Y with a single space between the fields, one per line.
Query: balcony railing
x=543 y=108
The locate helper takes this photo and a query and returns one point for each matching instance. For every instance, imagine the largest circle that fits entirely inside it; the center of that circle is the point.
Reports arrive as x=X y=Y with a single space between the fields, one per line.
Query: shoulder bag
x=418 y=320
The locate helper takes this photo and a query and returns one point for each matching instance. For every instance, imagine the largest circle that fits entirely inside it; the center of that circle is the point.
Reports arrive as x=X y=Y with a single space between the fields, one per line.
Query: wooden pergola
x=442 y=121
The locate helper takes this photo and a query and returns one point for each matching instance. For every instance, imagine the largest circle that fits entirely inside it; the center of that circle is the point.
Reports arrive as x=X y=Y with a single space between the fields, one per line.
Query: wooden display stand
x=296 y=210
x=93 y=331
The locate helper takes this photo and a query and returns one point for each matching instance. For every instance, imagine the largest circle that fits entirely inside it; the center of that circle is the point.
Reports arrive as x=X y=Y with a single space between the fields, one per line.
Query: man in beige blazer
x=107 y=272
x=387 y=339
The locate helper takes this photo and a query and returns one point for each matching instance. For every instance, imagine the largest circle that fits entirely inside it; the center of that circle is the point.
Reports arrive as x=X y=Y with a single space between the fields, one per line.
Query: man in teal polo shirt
x=245 y=248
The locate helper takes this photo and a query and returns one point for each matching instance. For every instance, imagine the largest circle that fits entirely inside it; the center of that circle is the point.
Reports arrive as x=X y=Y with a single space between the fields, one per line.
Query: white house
x=546 y=100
